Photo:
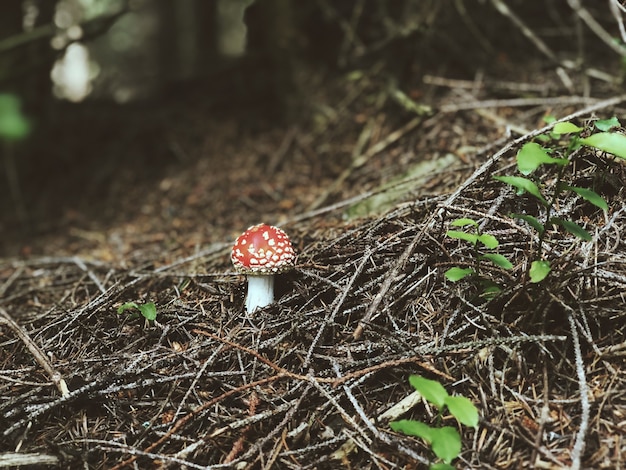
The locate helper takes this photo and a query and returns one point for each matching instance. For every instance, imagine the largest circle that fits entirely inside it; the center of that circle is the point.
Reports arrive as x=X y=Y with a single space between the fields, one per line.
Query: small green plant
x=475 y=237
x=13 y=125
x=148 y=310
x=444 y=441
x=532 y=156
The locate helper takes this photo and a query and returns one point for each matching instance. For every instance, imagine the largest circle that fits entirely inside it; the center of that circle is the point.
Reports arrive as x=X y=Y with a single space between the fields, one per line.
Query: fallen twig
x=38 y=354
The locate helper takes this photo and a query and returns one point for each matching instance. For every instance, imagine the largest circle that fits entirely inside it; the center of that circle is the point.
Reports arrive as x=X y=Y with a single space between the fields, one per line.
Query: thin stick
x=81 y=264
x=17 y=459
x=606 y=37
x=579 y=443
x=617 y=14
x=526 y=31
x=37 y=353
x=517 y=102
x=12 y=278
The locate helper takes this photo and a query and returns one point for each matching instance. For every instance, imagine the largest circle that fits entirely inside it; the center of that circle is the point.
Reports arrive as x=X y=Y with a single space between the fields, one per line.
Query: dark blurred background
x=89 y=88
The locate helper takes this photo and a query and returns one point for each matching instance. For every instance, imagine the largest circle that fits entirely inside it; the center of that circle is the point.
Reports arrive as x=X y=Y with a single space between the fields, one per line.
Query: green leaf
x=607 y=124
x=490 y=290
x=446 y=443
x=610 y=142
x=431 y=390
x=355 y=75
x=13 y=124
x=530 y=220
x=566 y=128
x=523 y=184
x=532 y=155
x=412 y=428
x=488 y=240
x=549 y=119
x=498 y=260
x=539 y=270
x=456 y=274
x=590 y=196
x=148 y=311
x=463 y=410
x=463 y=222
x=572 y=228
x=468 y=237
x=127 y=306
x=441 y=466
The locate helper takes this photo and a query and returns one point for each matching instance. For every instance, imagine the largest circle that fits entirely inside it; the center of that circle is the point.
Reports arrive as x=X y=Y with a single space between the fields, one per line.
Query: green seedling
x=13 y=124
x=14 y=127
x=606 y=125
x=148 y=310
x=610 y=142
x=445 y=441
x=480 y=242
x=533 y=155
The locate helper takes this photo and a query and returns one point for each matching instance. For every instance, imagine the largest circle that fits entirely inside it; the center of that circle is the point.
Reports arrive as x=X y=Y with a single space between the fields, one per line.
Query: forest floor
x=366 y=187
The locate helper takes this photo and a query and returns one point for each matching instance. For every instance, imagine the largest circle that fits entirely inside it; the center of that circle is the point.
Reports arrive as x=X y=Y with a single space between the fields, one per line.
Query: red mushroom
x=261 y=252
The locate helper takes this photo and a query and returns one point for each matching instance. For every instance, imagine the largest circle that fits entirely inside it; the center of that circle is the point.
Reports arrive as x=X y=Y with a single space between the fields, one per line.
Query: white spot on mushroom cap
x=268 y=251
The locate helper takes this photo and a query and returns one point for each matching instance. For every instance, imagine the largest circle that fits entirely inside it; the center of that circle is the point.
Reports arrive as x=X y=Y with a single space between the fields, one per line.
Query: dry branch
x=55 y=377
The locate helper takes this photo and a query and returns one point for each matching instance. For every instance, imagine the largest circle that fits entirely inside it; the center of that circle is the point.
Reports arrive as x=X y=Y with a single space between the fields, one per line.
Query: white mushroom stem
x=260 y=291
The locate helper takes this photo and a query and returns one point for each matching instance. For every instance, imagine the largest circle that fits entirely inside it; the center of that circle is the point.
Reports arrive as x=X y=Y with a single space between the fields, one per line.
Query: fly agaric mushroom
x=261 y=252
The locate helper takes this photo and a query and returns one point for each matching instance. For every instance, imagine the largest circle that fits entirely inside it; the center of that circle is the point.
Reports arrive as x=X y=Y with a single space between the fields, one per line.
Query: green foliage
x=148 y=310
x=572 y=228
x=431 y=390
x=498 y=260
x=605 y=125
x=13 y=124
x=445 y=441
x=464 y=222
x=489 y=288
x=488 y=240
x=462 y=409
x=441 y=466
x=610 y=142
x=549 y=118
x=456 y=273
x=566 y=128
x=533 y=155
x=539 y=269
x=589 y=196
x=523 y=185
x=413 y=428
x=530 y=220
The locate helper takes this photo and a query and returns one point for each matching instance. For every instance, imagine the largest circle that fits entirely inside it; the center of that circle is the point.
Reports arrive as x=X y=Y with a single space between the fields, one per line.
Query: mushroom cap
x=262 y=249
